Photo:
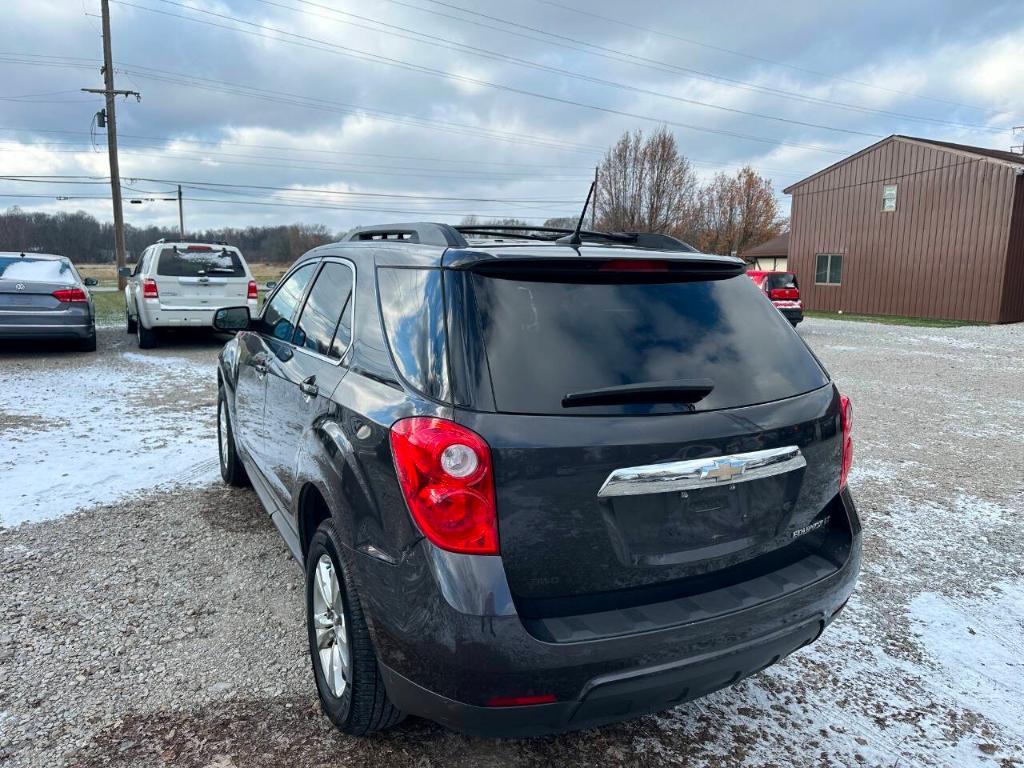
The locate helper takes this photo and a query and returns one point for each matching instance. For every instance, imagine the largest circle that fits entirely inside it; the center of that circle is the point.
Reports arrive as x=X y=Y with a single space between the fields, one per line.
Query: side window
x=277 y=317
x=412 y=305
x=322 y=326
x=138 y=264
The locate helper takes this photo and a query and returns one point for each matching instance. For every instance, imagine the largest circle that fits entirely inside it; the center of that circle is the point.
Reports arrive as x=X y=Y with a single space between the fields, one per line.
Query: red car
x=784 y=292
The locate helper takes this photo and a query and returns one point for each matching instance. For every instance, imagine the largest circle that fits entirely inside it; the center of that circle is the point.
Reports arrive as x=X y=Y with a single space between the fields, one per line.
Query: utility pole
x=181 y=216
x=1017 y=129
x=110 y=92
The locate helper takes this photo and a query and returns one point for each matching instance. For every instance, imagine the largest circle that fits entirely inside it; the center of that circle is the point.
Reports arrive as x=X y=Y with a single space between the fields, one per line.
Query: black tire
x=130 y=325
x=147 y=336
x=363 y=707
x=88 y=344
x=231 y=470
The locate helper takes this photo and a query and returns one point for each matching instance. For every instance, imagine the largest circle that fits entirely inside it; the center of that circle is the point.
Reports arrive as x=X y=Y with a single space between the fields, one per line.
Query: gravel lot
x=165 y=627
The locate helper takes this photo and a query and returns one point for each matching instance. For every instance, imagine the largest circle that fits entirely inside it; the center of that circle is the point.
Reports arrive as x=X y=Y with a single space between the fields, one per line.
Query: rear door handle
x=309 y=388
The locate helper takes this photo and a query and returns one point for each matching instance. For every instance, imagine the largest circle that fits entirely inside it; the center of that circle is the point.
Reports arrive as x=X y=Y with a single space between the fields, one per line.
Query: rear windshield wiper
x=673 y=391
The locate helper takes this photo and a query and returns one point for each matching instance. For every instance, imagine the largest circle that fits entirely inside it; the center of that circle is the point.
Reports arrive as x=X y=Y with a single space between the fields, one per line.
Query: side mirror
x=91 y=281
x=271 y=284
x=231 y=319
x=124 y=272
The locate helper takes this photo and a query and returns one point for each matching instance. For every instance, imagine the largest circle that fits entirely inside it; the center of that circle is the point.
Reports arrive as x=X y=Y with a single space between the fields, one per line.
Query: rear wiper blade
x=672 y=391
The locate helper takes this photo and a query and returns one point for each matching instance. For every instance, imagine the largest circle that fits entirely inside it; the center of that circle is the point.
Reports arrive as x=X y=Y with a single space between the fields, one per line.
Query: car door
x=300 y=385
x=200 y=277
x=269 y=338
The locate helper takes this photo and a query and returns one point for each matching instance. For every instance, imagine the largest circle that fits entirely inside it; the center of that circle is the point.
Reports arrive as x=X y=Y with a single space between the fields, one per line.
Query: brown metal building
x=913 y=227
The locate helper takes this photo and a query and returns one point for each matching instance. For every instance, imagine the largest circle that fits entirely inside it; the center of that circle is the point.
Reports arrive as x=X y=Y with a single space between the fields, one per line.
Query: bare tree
x=645 y=184
x=737 y=212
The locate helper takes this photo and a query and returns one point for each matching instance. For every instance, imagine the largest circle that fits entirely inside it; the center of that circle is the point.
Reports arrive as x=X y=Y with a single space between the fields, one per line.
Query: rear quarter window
x=544 y=340
x=174 y=262
x=412 y=312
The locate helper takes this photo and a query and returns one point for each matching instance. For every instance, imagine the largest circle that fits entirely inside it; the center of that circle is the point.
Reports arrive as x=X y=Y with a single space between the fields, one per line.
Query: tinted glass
x=544 y=340
x=277 y=316
x=412 y=306
x=330 y=295
x=188 y=263
x=835 y=269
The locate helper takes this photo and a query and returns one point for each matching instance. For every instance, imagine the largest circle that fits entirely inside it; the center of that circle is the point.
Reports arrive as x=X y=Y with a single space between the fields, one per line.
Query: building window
x=889 y=197
x=828 y=269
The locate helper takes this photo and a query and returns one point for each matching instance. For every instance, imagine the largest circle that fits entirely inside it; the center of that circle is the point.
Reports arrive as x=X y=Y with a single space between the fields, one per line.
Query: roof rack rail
x=648 y=240
x=424 y=233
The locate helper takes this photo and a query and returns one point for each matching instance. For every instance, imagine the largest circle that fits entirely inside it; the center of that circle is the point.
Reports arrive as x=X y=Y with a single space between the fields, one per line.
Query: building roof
x=777 y=246
x=997 y=155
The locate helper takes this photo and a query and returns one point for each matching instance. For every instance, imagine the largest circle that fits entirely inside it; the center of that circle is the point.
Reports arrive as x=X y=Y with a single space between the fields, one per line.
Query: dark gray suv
x=538 y=484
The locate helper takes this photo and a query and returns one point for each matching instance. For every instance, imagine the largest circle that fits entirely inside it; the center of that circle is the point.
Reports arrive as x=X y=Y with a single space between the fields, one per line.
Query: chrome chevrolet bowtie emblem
x=19 y=287
x=723 y=470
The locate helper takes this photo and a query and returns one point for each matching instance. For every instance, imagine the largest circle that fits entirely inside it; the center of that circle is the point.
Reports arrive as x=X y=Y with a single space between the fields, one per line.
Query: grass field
x=922 y=322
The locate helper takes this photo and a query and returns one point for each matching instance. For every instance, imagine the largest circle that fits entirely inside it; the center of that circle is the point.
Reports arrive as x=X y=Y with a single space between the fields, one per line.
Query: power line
x=306 y=42
x=325 y=105
x=214 y=184
x=375 y=170
x=435 y=40
x=720 y=49
x=272 y=204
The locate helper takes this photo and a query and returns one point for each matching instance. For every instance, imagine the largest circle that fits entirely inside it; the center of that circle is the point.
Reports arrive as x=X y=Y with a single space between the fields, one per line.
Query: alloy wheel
x=222 y=432
x=329 y=623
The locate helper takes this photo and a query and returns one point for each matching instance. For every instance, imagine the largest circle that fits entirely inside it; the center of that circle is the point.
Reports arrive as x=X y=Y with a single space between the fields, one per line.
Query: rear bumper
x=78 y=326
x=445 y=654
x=791 y=310
x=155 y=315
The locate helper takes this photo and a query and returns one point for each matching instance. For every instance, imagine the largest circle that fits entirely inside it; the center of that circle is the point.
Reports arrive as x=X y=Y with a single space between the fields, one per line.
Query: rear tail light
x=68 y=295
x=784 y=294
x=446 y=475
x=521 y=701
x=253 y=290
x=846 y=422
x=149 y=290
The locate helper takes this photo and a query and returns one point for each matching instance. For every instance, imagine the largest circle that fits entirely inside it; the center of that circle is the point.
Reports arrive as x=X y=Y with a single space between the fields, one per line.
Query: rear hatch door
x=200 y=276
x=571 y=377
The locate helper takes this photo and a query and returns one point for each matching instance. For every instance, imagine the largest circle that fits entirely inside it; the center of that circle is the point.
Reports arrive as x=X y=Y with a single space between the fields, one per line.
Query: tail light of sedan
x=70 y=295
x=846 y=422
x=149 y=290
x=447 y=477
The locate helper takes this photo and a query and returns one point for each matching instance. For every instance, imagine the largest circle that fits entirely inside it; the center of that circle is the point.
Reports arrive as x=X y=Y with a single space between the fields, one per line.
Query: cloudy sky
x=352 y=112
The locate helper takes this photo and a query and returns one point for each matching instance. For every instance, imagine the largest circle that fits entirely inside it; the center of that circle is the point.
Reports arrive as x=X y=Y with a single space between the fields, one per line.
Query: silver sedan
x=42 y=296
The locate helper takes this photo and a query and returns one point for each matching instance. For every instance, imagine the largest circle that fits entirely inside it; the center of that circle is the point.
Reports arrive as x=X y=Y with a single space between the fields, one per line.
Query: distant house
x=771 y=256
x=913 y=227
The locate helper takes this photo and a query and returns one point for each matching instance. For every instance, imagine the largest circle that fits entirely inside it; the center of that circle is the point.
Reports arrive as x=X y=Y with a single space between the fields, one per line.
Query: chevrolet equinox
x=538 y=482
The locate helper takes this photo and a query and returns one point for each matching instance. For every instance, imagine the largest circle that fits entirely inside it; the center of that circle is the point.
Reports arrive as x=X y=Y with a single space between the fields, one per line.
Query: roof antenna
x=574 y=238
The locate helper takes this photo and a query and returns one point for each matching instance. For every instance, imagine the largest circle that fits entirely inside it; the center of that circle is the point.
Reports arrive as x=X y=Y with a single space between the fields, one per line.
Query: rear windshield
x=782 y=280
x=39 y=270
x=545 y=340
x=188 y=263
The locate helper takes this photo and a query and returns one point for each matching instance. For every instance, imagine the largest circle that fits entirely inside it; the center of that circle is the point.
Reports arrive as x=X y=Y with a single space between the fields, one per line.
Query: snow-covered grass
x=77 y=435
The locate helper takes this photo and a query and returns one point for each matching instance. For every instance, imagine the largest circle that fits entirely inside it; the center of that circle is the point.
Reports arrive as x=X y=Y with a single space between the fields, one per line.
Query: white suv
x=181 y=285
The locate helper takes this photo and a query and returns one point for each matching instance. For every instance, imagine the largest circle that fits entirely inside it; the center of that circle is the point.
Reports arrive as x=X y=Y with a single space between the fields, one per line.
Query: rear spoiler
x=647 y=267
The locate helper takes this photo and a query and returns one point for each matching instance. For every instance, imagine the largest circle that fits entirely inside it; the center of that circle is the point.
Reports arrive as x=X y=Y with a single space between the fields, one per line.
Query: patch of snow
x=977 y=648
x=102 y=432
